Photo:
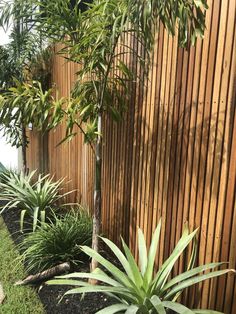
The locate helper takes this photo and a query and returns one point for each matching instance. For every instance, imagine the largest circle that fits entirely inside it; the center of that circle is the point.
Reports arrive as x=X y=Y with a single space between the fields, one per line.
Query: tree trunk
x=44 y=275
x=43 y=149
x=24 y=146
x=97 y=193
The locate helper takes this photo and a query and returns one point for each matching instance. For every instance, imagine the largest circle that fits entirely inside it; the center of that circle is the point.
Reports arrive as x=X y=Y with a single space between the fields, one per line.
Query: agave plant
x=34 y=199
x=138 y=289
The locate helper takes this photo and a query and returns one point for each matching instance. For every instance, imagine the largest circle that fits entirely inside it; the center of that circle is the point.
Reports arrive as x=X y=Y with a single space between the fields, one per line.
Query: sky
x=8 y=154
x=4 y=39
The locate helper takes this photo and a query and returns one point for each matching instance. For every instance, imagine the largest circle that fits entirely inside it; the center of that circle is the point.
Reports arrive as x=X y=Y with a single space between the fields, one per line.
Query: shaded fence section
x=173 y=156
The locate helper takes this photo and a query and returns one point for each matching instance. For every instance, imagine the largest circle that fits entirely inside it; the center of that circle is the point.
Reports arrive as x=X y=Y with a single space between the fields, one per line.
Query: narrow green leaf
x=120 y=256
x=142 y=252
x=152 y=254
x=91 y=289
x=132 y=309
x=157 y=304
x=35 y=218
x=22 y=216
x=68 y=282
x=176 y=307
x=42 y=216
x=115 y=308
x=136 y=273
x=164 y=272
x=206 y=312
x=188 y=274
x=195 y=280
x=100 y=276
x=117 y=274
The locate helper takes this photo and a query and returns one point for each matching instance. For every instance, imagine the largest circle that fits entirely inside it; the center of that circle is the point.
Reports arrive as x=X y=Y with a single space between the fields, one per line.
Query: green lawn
x=19 y=299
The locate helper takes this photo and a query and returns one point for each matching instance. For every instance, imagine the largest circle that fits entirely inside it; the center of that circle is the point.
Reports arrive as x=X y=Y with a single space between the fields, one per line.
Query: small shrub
x=58 y=241
x=33 y=198
x=138 y=289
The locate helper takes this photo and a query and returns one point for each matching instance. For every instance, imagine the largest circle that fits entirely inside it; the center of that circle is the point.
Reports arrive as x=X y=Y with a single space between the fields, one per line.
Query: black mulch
x=91 y=303
x=51 y=295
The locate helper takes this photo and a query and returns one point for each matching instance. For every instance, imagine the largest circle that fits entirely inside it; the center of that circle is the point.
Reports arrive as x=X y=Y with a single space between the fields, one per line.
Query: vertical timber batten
x=173 y=155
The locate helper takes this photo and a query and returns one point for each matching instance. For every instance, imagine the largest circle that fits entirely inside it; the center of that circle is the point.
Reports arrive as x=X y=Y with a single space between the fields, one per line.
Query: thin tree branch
x=89 y=142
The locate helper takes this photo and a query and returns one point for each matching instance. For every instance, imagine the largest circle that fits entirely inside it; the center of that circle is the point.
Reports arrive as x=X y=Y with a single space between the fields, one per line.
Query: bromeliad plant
x=138 y=289
x=35 y=199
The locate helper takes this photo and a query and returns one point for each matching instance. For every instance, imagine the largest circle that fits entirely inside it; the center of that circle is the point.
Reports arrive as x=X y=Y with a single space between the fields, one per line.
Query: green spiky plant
x=58 y=241
x=137 y=288
x=36 y=199
x=91 y=38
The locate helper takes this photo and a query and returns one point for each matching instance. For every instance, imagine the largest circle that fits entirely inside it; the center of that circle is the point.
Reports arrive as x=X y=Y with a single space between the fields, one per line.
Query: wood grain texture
x=173 y=155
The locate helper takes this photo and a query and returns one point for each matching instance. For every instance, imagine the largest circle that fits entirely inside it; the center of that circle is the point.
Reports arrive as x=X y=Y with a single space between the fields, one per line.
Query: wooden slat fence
x=173 y=156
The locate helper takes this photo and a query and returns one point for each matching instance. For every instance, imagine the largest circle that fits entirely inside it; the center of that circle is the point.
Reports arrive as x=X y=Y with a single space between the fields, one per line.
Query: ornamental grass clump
x=137 y=288
x=34 y=197
x=58 y=241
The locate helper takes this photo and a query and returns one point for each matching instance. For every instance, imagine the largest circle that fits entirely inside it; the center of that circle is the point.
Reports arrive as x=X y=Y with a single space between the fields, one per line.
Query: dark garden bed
x=51 y=295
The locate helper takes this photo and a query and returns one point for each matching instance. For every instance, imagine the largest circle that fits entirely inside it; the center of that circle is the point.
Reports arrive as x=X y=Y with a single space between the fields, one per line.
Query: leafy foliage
x=13 y=10
x=9 y=69
x=25 y=43
x=60 y=18
x=27 y=104
x=137 y=288
x=22 y=60
x=58 y=241
x=40 y=68
x=91 y=39
x=33 y=198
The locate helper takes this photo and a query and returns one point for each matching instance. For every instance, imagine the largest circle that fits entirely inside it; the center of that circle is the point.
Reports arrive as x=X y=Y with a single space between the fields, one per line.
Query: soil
x=51 y=296
x=91 y=303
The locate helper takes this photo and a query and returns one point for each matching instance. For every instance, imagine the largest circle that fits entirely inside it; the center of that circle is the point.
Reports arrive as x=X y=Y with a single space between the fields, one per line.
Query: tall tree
x=24 y=59
x=24 y=104
x=91 y=39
